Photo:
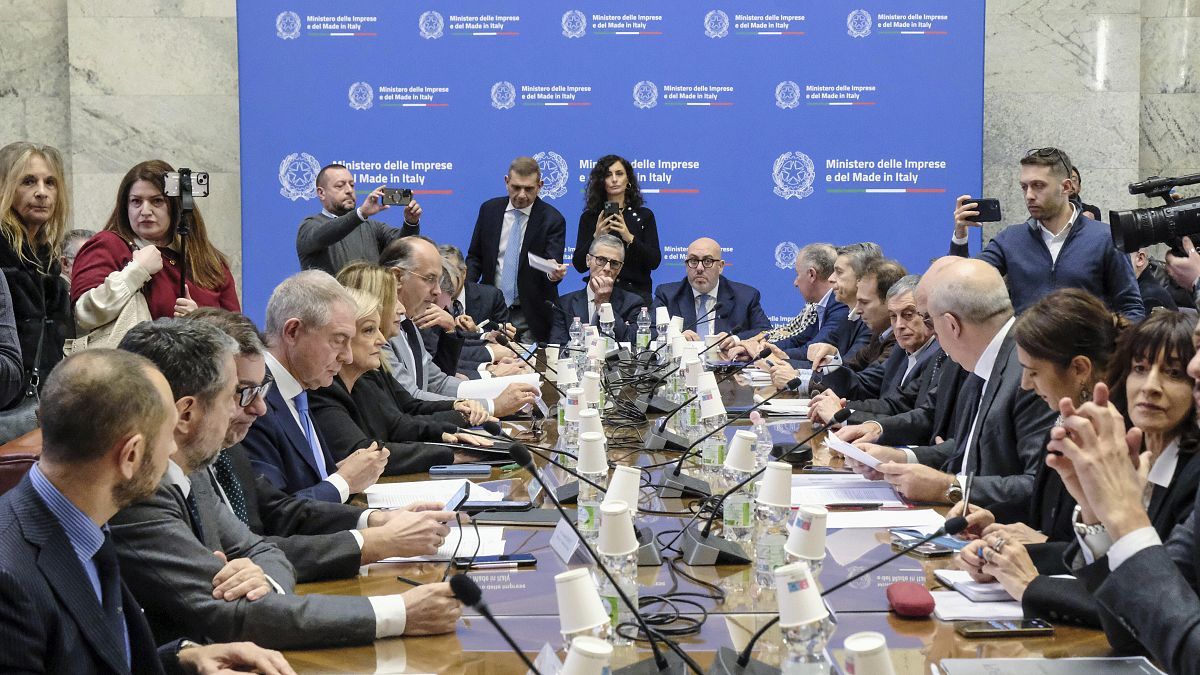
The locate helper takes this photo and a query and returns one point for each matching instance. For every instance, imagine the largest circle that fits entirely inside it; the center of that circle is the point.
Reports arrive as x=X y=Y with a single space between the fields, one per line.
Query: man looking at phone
x=1058 y=247
x=341 y=234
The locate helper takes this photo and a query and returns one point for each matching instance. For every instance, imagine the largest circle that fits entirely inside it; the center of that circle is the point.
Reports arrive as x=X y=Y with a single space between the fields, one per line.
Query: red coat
x=107 y=252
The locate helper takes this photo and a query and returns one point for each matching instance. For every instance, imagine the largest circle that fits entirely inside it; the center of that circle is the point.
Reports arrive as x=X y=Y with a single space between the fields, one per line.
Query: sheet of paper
x=491 y=387
x=979 y=592
x=541 y=264
x=811 y=489
x=954 y=606
x=835 y=443
x=490 y=542
x=884 y=518
x=395 y=495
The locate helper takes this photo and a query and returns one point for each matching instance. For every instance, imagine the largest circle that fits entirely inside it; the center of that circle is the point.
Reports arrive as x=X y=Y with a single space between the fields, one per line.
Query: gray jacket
x=330 y=244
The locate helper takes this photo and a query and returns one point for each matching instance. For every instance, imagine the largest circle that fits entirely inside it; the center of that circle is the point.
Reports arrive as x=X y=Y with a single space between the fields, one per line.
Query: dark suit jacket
x=314 y=535
x=485 y=302
x=936 y=416
x=796 y=346
x=870 y=382
x=1010 y=440
x=49 y=614
x=916 y=391
x=626 y=307
x=545 y=235
x=740 y=314
x=1154 y=294
x=279 y=452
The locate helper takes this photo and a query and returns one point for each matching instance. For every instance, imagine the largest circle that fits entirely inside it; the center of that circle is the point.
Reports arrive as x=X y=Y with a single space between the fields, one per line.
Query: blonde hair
x=14 y=161
x=377 y=281
x=366 y=304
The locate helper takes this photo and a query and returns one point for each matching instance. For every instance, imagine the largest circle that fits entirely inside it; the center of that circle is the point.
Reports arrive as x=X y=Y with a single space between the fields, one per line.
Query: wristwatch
x=1080 y=528
x=954 y=493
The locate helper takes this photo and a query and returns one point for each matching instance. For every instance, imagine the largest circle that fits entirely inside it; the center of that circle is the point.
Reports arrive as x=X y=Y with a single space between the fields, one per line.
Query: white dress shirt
x=912 y=359
x=510 y=218
x=1054 y=242
x=821 y=305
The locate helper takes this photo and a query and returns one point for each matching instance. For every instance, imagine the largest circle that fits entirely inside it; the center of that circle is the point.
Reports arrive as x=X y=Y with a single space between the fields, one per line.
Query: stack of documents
x=490 y=388
x=490 y=541
x=757 y=378
x=835 y=489
x=395 y=495
x=1093 y=665
x=975 y=591
x=882 y=519
x=790 y=407
x=954 y=606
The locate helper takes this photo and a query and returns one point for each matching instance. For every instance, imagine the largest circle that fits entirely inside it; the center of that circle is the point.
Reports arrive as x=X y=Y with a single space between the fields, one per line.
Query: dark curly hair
x=597 y=195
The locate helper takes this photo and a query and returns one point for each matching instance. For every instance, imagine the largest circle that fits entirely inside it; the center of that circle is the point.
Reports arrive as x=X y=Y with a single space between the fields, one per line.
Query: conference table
x=524 y=600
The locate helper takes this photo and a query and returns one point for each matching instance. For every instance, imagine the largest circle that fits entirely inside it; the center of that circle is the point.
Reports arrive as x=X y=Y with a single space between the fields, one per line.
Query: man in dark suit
x=174 y=545
x=507 y=230
x=107 y=423
x=709 y=303
x=1154 y=293
x=1001 y=436
x=604 y=259
x=310 y=321
x=320 y=539
x=481 y=302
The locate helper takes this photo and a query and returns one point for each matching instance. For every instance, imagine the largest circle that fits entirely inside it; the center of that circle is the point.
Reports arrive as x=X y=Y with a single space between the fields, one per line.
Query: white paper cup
x=710 y=340
x=677 y=344
x=661 y=316
x=616 y=530
x=625 y=486
x=711 y=404
x=572 y=402
x=807 y=538
x=740 y=456
x=591 y=389
x=867 y=654
x=798 y=596
x=579 y=605
x=589 y=420
x=706 y=380
x=677 y=323
x=592 y=456
x=606 y=312
x=691 y=372
x=551 y=363
x=567 y=375
x=775 y=488
x=587 y=656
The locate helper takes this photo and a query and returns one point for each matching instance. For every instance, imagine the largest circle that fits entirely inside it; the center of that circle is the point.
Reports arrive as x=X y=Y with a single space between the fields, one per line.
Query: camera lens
x=1137 y=228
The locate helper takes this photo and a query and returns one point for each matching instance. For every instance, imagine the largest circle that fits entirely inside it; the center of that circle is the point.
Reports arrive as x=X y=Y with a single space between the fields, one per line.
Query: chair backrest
x=17 y=456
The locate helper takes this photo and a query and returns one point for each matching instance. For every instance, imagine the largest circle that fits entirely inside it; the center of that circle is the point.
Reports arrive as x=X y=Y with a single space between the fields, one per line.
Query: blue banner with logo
x=765 y=125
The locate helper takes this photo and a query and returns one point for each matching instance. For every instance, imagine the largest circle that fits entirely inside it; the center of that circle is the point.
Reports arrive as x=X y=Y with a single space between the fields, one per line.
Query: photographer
x=341 y=234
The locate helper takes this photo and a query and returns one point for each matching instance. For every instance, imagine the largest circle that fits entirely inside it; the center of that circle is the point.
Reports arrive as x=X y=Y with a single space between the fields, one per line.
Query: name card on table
x=566 y=544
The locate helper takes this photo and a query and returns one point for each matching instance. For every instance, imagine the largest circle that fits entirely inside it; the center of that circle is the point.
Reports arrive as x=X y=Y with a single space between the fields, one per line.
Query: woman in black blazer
x=613 y=180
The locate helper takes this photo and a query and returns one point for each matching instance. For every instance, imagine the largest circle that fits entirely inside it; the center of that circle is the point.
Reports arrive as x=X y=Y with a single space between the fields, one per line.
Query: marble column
x=33 y=73
x=1170 y=90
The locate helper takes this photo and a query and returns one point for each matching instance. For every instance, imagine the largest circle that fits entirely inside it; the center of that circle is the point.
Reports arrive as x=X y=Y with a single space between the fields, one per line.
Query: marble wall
x=1114 y=82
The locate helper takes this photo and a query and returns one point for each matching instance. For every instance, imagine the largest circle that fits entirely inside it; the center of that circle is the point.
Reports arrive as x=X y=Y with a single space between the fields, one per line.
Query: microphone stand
x=567 y=493
x=660 y=663
x=503 y=340
x=467 y=592
x=705 y=548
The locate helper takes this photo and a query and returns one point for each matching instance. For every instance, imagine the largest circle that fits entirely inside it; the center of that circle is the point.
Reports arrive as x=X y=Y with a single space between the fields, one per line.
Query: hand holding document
x=541 y=264
x=835 y=443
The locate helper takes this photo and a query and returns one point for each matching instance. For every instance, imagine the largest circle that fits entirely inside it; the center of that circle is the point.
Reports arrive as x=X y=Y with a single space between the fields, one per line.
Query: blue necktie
x=512 y=260
x=310 y=433
x=109 y=571
x=703 y=327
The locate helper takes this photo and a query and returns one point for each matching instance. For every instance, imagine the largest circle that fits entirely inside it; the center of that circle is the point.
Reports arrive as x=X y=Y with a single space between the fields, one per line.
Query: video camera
x=1137 y=228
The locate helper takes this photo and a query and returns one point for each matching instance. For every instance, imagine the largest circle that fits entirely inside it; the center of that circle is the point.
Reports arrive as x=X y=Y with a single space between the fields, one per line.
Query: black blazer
x=49 y=614
x=912 y=393
x=875 y=380
x=626 y=307
x=740 y=313
x=642 y=257
x=314 y=535
x=279 y=452
x=545 y=235
x=35 y=295
x=924 y=423
x=372 y=414
x=485 y=302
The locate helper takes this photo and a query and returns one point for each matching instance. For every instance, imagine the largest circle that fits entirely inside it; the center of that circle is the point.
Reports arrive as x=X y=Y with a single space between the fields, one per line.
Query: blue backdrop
x=766 y=125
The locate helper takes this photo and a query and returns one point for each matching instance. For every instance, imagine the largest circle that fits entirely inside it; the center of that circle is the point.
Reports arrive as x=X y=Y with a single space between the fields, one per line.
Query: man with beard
x=107 y=433
x=341 y=234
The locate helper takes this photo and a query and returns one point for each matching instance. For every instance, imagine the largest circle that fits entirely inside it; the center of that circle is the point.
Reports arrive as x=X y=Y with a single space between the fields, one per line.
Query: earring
x=1084 y=394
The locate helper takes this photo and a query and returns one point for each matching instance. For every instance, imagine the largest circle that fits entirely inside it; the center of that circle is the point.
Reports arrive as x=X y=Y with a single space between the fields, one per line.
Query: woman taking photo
x=138 y=252
x=612 y=181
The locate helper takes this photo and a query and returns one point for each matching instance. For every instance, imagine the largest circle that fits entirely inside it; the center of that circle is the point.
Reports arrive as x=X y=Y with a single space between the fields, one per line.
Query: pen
x=410 y=582
x=967 y=494
x=855 y=506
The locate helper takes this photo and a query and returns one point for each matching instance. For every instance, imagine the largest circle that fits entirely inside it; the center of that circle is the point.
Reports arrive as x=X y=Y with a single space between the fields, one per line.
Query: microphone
x=567 y=493
x=503 y=340
x=722 y=663
x=712 y=310
x=675 y=484
x=662 y=664
x=467 y=591
x=702 y=548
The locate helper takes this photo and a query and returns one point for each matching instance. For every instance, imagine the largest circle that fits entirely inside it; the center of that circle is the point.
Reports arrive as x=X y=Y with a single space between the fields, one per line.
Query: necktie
x=512 y=259
x=703 y=327
x=310 y=433
x=193 y=513
x=414 y=345
x=109 y=571
x=456 y=308
x=959 y=463
x=223 y=472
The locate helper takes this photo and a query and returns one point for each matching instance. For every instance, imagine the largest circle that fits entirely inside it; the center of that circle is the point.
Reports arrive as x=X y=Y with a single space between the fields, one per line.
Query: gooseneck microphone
x=766 y=351
x=503 y=340
x=662 y=664
x=950 y=527
x=467 y=591
x=712 y=310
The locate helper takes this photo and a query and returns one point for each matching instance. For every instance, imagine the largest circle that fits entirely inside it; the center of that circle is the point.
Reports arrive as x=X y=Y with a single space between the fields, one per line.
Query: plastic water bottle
x=770 y=535
x=575 y=346
x=738 y=509
x=763 y=445
x=624 y=570
x=643 y=330
x=592 y=466
x=712 y=453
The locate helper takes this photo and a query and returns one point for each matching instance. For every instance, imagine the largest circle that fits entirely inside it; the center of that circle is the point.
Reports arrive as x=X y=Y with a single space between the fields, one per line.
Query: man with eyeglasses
x=605 y=257
x=709 y=303
x=1058 y=247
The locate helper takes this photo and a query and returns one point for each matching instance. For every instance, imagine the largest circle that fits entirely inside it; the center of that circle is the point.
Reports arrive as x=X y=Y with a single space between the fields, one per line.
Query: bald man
x=709 y=303
x=1000 y=430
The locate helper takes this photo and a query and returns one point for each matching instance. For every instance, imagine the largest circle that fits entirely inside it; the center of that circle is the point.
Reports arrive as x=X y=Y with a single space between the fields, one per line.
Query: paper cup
x=616 y=530
x=589 y=420
x=691 y=372
x=592 y=456
x=606 y=313
x=625 y=487
x=579 y=604
x=661 y=316
x=867 y=654
x=807 y=538
x=798 y=596
x=677 y=344
x=572 y=402
x=567 y=376
x=677 y=323
x=710 y=404
x=587 y=656
x=591 y=389
x=706 y=381
x=775 y=488
x=710 y=340
x=595 y=349
x=740 y=456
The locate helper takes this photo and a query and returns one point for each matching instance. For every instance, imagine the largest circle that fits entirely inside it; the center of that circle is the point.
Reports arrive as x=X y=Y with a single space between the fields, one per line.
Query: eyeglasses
x=1053 y=154
x=247 y=394
x=926 y=319
x=707 y=262
x=606 y=262
x=431 y=279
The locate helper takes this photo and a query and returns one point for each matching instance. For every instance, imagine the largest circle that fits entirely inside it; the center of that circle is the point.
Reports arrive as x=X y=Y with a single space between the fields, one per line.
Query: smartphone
x=1004 y=628
x=498 y=507
x=485 y=561
x=611 y=209
x=397 y=196
x=989 y=210
x=926 y=550
x=456 y=502
x=172 y=183
x=459 y=470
